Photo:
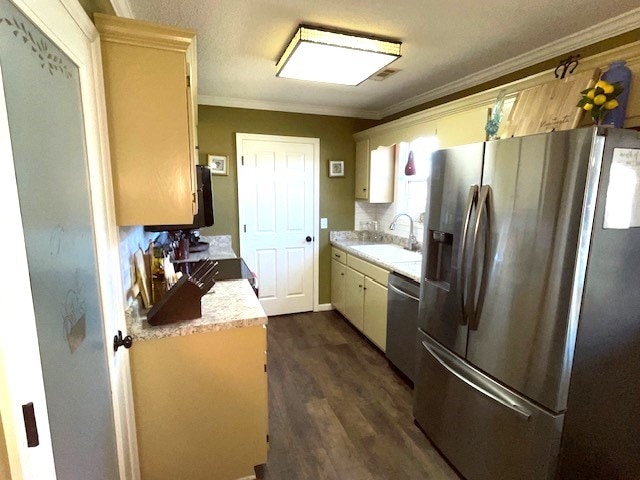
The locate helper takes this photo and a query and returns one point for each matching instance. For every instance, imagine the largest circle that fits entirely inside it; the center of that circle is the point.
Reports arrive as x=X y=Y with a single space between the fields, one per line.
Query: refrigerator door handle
x=478 y=382
x=462 y=274
x=483 y=206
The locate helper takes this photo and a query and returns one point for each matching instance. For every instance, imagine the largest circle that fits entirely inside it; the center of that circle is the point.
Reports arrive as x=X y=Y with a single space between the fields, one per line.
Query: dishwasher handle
x=400 y=292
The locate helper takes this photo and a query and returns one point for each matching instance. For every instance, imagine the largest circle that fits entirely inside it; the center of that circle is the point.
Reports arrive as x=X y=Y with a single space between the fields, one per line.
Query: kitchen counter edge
x=229 y=304
x=398 y=267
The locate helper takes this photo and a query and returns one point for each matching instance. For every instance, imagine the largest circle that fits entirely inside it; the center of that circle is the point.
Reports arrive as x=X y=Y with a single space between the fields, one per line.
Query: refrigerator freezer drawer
x=484 y=430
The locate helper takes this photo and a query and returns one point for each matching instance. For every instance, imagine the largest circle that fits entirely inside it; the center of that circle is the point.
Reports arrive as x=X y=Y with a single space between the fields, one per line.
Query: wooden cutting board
x=141 y=276
x=549 y=107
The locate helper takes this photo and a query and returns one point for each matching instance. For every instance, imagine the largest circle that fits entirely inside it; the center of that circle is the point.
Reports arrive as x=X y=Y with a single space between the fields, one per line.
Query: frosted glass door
x=42 y=90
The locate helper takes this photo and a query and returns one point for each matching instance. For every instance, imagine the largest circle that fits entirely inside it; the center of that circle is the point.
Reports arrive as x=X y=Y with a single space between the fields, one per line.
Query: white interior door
x=62 y=302
x=277 y=205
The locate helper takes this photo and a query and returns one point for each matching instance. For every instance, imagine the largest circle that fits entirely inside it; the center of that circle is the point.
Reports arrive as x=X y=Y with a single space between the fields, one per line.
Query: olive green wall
x=217 y=127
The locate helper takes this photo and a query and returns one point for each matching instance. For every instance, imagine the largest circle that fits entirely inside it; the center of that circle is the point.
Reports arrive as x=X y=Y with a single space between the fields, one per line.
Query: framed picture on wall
x=218 y=164
x=336 y=168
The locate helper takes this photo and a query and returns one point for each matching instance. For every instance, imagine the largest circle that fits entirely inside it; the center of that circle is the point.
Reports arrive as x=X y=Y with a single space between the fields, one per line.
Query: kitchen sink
x=389 y=252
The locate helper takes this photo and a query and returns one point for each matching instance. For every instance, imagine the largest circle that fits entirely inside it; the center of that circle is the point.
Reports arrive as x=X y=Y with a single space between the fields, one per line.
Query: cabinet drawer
x=339 y=255
x=380 y=275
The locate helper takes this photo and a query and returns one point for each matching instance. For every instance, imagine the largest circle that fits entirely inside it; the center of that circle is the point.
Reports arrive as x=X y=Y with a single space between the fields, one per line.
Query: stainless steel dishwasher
x=402 y=323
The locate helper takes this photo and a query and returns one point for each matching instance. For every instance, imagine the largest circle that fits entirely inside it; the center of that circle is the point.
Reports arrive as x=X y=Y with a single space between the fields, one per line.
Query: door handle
x=400 y=292
x=462 y=277
x=477 y=381
x=30 y=425
x=483 y=208
x=308 y=239
x=118 y=341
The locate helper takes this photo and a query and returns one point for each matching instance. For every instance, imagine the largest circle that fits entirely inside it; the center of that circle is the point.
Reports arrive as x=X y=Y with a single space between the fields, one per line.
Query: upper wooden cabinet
x=375 y=172
x=362 y=169
x=150 y=91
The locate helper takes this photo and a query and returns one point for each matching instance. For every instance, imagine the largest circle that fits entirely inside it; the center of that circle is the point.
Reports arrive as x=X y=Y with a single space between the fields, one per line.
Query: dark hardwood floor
x=336 y=408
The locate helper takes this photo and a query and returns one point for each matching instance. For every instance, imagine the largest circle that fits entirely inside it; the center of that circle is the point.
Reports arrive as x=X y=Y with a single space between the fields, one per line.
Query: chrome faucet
x=413 y=243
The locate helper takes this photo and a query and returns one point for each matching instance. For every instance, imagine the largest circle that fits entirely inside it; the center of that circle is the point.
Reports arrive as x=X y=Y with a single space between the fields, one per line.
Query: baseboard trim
x=323 y=307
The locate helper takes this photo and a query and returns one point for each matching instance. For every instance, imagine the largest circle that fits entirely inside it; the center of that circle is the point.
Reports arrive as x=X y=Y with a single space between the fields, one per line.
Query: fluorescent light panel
x=332 y=57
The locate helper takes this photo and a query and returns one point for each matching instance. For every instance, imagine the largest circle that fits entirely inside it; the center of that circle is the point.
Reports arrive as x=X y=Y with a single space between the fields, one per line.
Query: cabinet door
x=382 y=174
x=362 y=169
x=192 y=109
x=179 y=433
x=151 y=134
x=462 y=128
x=375 y=313
x=354 y=297
x=338 y=255
x=337 y=285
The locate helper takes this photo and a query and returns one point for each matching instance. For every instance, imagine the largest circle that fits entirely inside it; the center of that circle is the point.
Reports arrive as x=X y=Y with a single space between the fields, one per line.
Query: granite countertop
x=346 y=240
x=229 y=304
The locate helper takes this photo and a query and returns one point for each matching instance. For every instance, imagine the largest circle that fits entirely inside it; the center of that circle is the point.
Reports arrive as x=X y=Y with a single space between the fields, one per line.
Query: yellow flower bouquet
x=600 y=100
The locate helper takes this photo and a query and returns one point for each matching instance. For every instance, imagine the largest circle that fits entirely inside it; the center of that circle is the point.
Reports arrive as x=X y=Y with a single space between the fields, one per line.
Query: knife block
x=181 y=302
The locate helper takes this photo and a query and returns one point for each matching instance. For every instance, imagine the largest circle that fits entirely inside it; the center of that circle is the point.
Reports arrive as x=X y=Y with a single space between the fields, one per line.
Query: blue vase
x=618 y=72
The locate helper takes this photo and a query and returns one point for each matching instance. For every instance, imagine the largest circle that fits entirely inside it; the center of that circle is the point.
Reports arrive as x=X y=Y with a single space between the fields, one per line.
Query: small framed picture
x=336 y=168
x=218 y=164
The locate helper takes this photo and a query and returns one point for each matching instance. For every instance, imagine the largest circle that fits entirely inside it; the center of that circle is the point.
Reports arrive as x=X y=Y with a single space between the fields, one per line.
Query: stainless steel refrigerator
x=529 y=319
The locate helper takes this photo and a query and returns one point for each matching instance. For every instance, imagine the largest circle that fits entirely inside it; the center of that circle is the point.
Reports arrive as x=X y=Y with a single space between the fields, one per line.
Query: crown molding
x=122 y=8
x=486 y=98
x=607 y=29
x=288 y=107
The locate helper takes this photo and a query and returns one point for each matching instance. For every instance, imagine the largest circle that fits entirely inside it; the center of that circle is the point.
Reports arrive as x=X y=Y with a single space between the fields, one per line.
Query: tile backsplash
x=383 y=213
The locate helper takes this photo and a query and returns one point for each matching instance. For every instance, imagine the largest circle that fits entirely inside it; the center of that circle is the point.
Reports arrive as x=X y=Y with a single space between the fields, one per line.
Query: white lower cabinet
x=359 y=292
x=354 y=301
x=375 y=313
x=337 y=285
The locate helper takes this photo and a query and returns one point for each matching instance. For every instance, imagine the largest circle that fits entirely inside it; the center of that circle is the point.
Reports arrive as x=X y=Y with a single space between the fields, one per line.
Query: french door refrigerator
x=529 y=318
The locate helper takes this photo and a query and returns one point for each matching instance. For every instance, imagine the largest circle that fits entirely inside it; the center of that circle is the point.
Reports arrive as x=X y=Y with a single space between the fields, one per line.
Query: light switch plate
x=323 y=223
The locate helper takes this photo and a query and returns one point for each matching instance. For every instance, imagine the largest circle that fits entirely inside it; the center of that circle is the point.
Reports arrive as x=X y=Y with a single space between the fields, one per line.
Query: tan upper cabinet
x=149 y=76
x=374 y=172
x=362 y=169
x=462 y=128
x=382 y=174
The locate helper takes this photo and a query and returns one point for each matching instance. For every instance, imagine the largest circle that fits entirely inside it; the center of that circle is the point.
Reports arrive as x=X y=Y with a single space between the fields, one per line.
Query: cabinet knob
x=308 y=239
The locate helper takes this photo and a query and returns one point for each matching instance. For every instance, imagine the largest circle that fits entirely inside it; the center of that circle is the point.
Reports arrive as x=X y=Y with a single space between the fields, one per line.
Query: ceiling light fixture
x=321 y=55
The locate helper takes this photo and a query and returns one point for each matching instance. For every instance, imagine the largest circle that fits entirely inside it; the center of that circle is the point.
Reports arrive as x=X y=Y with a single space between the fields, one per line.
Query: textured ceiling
x=445 y=45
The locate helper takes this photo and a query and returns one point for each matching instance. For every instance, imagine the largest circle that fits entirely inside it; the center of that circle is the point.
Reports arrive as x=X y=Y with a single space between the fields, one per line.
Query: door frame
x=240 y=137
x=69 y=27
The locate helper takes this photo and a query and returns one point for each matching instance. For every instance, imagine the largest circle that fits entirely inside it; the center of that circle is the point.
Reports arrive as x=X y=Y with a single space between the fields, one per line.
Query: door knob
x=118 y=341
x=308 y=239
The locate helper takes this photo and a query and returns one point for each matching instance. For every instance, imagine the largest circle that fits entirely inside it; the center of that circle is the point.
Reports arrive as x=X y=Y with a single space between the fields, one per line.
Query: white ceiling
x=446 y=45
